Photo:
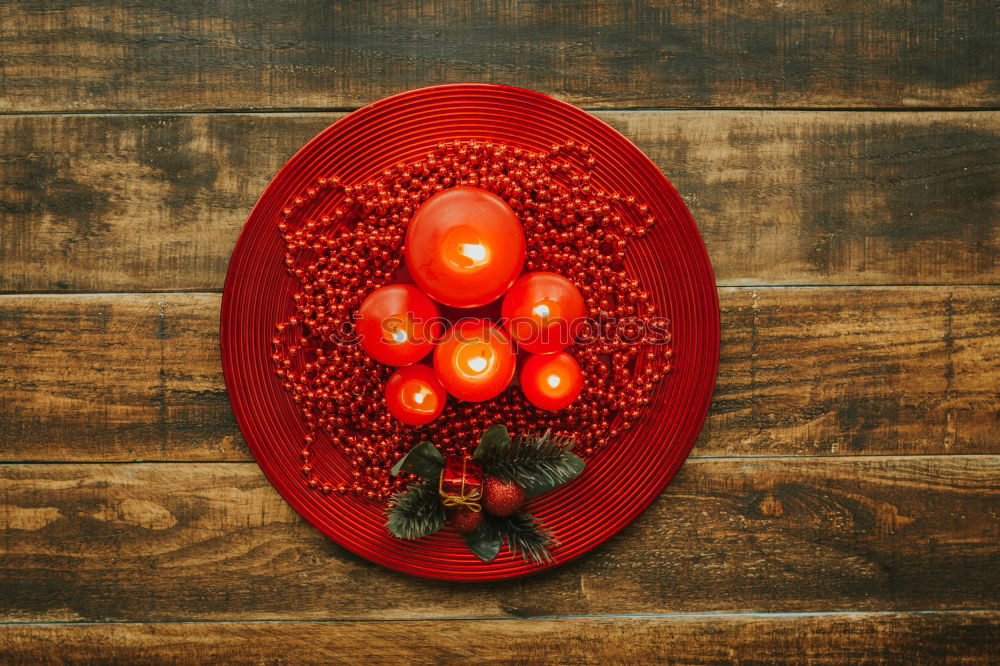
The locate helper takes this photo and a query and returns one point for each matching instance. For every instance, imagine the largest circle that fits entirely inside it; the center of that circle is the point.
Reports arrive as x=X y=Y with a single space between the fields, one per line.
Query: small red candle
x=397 y=324
x=464 y=247
x=414 y=395
x=551 y=381
x=475 y=361
x=542 y=312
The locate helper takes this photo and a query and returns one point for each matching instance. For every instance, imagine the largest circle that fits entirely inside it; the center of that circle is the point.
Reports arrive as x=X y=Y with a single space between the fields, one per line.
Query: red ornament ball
x=500 y=498
x=465 y=520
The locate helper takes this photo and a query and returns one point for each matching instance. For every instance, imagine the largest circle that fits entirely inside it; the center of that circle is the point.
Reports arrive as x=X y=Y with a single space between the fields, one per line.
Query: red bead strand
x=571 y=226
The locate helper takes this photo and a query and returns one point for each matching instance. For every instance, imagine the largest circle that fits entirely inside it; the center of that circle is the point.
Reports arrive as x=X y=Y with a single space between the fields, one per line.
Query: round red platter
x=620 y=480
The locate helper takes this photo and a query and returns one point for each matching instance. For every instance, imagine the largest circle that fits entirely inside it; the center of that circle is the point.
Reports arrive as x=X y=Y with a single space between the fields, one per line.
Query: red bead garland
x=572 y=227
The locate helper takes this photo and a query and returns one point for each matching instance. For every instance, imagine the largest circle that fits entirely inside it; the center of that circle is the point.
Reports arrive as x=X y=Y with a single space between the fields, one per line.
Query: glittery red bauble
x=502 y=499
x=465 y=520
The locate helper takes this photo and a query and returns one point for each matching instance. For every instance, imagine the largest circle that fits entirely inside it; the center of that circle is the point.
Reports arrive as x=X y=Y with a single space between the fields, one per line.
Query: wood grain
x=818 y=371
x=155 y=203
x=187 y=541
x=114 y=377
x=886 y=370
x=855 y=638
x=103 y=55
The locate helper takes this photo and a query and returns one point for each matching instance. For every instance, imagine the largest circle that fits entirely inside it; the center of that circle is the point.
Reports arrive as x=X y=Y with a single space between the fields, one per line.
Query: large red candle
x=551 y=381
x=464 y=247
x=475 y=361
x=542 y=312
x=396 y=324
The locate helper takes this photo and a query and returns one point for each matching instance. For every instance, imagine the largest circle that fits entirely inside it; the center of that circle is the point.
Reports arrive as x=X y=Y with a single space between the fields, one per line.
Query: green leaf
x=568 y=468
x=493 y=443
x=423 y=460
x=485 y=542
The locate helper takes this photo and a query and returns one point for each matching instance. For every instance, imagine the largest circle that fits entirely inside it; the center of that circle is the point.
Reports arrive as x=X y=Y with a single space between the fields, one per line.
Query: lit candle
x=414 y=395
x=542 y=312
x=397 y=323
x=464 y=247
x=551 y=381
x=475 y=361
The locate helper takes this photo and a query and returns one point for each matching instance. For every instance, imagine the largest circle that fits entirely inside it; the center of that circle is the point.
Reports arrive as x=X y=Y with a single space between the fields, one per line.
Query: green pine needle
x=524 y=534
x=416 y=512
x=537 y=463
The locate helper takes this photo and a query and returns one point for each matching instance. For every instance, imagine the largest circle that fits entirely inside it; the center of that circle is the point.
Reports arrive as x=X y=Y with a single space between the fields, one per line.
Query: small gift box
x=461 y=483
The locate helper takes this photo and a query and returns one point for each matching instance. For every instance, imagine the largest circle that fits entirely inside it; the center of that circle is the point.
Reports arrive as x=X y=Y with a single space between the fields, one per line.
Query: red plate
x=622 y=479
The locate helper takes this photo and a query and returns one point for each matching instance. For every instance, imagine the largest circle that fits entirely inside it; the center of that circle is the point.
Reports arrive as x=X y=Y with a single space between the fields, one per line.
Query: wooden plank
x=188 y=541
x=155 y=203
x=114 y=377
x=819 y=371
x=94 y=54
x=827 y=371
x=855 y=638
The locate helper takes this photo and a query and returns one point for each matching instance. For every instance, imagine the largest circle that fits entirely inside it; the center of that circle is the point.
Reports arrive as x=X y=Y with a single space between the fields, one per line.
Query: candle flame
x=419 y=398
x=477 y=364
x=475 y=252
x=465 y=248
x=554 y=381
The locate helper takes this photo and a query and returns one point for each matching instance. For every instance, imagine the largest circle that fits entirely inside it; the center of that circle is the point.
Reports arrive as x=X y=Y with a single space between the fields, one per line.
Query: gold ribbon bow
x=470 y=500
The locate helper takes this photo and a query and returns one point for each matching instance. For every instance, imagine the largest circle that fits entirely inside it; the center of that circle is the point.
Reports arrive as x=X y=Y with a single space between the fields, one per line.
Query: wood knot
x=889 y=519
x=771 y=506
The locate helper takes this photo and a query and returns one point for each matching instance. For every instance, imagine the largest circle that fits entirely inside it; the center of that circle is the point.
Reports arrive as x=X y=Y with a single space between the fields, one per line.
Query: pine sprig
x=416 y=512
x=539 y=464
x=524 y=534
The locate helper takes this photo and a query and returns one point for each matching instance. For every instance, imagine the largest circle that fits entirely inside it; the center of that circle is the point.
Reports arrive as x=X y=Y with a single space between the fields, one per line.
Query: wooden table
x=842 y=160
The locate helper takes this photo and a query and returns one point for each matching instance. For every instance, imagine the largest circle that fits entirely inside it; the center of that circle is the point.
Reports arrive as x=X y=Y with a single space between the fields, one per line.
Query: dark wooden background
x=842 y=160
